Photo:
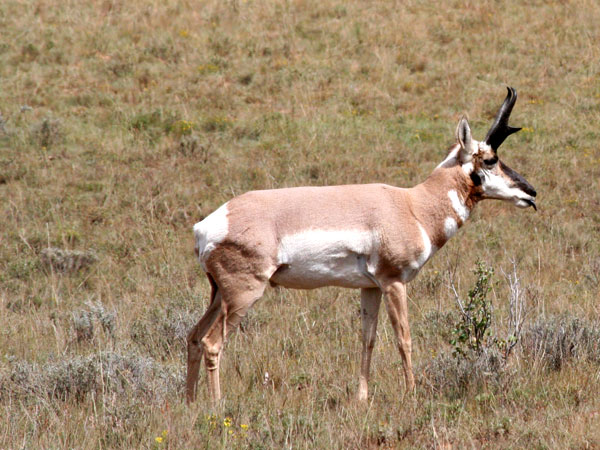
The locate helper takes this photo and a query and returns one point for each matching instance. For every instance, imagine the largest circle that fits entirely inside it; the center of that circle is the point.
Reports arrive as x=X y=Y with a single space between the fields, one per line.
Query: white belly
x=317 y=258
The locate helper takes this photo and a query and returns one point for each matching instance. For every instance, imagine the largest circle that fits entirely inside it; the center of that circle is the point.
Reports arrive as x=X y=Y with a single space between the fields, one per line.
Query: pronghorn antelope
x=372 y=237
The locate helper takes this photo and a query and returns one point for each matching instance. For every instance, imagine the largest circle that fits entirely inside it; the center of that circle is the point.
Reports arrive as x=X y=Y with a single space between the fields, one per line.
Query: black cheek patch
x=491 y=161
x=476 y=179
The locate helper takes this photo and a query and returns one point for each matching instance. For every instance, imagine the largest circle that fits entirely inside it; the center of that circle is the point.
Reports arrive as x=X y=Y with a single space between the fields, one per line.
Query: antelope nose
x=528 y=189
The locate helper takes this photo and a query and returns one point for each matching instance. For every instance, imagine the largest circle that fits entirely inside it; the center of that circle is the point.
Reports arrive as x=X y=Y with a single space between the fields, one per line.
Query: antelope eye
x=491 y=161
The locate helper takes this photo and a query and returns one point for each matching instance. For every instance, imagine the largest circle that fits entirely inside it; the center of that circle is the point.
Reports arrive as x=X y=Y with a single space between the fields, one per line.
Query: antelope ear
x=465 y=140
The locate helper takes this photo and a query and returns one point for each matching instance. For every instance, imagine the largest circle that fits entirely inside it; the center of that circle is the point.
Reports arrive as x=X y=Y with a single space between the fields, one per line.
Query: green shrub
x=472 y=330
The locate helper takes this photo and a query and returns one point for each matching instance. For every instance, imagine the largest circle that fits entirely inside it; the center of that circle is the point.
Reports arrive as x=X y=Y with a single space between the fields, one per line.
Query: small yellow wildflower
x=208 y=68
x=244 y=426
x=227 y=421
x=158 y=439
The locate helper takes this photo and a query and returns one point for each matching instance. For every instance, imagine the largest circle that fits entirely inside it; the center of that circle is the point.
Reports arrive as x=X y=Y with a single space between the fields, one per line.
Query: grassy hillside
x=124 y=123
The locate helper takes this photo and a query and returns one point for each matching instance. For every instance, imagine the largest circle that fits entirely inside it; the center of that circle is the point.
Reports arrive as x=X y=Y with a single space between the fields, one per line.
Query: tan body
x=374 y=237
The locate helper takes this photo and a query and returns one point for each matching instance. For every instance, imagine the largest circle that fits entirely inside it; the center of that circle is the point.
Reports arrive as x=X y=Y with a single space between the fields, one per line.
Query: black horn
x=500 y=129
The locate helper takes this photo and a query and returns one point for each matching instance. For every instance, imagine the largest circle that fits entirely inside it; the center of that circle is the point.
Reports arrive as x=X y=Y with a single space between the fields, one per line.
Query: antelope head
x=491 y=177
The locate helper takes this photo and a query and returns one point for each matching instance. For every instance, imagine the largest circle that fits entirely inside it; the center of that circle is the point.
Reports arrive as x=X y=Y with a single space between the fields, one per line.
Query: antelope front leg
x=397 y=309
x=370 y=299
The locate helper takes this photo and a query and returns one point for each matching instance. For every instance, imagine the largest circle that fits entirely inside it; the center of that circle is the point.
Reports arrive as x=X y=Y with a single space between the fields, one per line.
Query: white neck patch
x=458 y=205
x=450 y=227
x=467 y=168
x=428 y=250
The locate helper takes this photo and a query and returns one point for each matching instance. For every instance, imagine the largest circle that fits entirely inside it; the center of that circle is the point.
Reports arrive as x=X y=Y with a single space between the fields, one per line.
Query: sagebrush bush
x=163 y=331
x=67 y=261
x=101 y=373
x=86 y=322
x=559 y=340
x=476 y=360
x=456 y=376
x=47 y=133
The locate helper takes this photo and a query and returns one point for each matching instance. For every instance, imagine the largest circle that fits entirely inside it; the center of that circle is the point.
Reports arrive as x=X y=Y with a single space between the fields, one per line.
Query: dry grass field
x=124 y=123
